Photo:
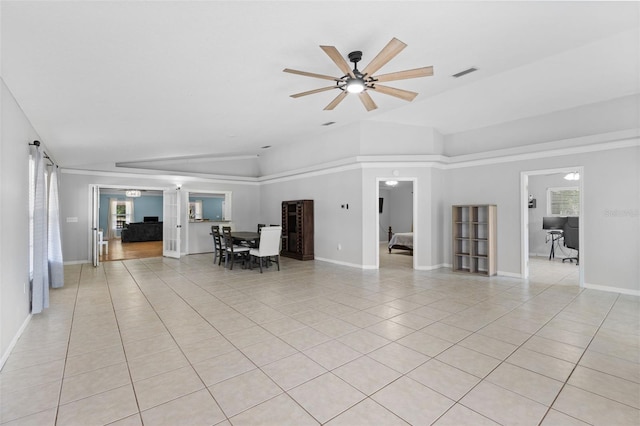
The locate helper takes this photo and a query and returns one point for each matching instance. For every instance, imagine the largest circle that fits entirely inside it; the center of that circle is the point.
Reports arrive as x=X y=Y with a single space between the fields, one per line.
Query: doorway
x=397 y=205
x=114 y=208
x=548 y=196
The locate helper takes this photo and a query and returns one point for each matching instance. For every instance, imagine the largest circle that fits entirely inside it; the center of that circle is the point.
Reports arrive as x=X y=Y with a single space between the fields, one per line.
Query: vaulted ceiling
x=121 y=81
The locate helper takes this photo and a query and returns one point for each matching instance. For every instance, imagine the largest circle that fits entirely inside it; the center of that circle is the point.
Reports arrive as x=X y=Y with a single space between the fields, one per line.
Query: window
x=123 y=214
x=563 y=201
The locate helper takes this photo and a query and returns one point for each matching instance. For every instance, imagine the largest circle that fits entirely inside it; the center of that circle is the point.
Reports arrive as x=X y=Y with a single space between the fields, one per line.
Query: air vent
x=465 y=72
x=328 y=123
x=266 y=147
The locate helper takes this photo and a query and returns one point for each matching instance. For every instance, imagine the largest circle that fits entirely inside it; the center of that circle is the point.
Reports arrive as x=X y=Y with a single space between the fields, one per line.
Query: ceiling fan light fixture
x=133 y=193
x=355 y=85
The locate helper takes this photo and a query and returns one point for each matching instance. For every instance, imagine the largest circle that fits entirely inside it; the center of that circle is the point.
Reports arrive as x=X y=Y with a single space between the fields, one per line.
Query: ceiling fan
x=360 y=82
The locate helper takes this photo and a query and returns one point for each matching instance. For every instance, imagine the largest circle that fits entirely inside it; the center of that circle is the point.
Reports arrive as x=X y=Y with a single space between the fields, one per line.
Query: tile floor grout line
x=75 y=304
x=519 y=346
x=357 y=288
x=578 y=362
x=221 y=334
x=172 y=338
x=126 y=359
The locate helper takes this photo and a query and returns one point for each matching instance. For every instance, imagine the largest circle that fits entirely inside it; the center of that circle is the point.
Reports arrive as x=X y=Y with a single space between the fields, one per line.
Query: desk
x=556 y=235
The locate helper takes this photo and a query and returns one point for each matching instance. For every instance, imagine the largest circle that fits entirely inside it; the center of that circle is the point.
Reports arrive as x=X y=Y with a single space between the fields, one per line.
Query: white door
x=95 y=211
x=171 y=223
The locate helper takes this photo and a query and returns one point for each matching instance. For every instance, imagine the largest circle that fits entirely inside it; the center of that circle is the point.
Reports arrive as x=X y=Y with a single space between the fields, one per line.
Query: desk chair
x=269 y=249
x=571 y=231
x=233 y=251
x=218 y=245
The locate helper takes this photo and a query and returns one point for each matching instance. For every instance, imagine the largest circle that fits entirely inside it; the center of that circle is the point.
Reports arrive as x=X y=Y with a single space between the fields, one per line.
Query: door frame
x=524 y=218
x=416 y=240
x=93 y=235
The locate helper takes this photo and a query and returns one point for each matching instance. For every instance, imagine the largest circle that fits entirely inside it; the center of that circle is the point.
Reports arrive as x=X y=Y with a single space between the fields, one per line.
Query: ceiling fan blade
x=310 y=74
x=311 y=92
x=338 y=59
x=398 y=93
x=387 y=53
x=403 y=75
x=367 y=101
x=334 y=103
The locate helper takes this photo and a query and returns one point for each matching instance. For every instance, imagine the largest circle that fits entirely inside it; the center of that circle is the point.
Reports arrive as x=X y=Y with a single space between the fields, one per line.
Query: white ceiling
x=108 y=82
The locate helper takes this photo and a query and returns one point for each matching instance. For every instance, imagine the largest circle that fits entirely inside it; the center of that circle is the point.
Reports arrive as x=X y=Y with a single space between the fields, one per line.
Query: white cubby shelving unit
x=474 y=239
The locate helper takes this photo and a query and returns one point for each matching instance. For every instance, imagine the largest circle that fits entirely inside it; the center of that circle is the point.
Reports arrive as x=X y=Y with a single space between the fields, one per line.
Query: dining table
x=251 y=237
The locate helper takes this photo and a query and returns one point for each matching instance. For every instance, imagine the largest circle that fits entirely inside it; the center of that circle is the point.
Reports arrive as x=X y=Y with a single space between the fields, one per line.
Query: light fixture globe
x=573 y=176
x=355 y=85
x=391 y=182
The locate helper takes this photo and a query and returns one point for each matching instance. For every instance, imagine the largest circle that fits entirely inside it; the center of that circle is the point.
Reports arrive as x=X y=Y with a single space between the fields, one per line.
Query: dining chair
x=269 y=248
x=233 y=251
x=218 y=244
x=260 y=226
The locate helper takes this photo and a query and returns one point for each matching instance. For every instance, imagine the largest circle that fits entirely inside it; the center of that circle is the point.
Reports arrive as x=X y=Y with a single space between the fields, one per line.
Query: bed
x=400 y=240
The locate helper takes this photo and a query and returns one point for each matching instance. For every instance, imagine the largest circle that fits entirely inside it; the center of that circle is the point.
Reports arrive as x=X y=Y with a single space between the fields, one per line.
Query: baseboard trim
x=509 y=274
x=76 y=262
x=432 y=267
x=627 y=291
x=6 y=354
x=351 y=265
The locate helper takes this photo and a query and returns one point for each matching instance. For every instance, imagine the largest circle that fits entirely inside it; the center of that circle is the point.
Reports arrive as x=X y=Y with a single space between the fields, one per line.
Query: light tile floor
x=184 y=342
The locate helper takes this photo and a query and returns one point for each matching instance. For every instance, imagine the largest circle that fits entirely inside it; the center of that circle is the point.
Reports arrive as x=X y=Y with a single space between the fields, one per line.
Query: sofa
x=142 y=231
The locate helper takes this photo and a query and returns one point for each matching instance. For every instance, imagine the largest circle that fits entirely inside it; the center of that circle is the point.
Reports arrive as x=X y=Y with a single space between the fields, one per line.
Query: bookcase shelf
x=474 y=239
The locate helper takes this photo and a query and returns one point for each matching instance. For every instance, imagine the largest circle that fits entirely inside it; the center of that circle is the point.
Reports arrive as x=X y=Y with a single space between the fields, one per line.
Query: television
x=150 y=219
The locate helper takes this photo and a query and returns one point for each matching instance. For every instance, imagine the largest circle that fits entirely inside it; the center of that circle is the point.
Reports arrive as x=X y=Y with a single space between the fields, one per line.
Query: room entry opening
x=552 y=231
x=397 y=243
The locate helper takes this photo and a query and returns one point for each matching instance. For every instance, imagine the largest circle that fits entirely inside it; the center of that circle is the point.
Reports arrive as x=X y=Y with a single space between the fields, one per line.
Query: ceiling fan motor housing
x=355 y=56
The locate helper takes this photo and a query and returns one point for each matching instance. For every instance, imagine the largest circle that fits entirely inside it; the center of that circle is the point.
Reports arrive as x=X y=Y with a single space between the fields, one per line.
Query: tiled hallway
x=184 y=342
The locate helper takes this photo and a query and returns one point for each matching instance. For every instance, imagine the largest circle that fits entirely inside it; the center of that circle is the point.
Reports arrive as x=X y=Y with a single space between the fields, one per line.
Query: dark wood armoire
x=297 y=229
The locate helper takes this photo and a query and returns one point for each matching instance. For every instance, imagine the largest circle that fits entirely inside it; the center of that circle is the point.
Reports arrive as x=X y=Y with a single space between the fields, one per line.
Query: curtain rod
x=45 y=155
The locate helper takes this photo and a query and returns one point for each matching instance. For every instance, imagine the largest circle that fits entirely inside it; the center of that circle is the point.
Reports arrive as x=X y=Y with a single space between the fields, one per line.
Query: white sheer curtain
x=40 y=281
x=56 y=269
x=112 y=218
x=129 y=210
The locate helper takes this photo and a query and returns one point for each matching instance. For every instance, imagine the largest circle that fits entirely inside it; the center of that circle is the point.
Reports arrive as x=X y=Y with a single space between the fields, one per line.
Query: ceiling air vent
x=465 y=72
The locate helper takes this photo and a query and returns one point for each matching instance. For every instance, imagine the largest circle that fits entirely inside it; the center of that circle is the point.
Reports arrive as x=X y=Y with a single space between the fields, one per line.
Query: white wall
x=16 y=133
x=333 y=225
x=424 y=241
x=381 y=138
x=401 y=207
x=74 y=202
x=333 y=145
x=594 y=119
x=385 y=218
x=611 y=217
